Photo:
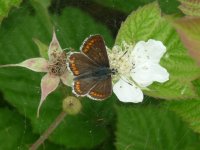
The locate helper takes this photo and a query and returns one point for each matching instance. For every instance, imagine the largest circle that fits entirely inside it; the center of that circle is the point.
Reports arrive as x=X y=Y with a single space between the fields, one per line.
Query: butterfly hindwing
x=102 y=90
x=94 y=47
x=82 y=87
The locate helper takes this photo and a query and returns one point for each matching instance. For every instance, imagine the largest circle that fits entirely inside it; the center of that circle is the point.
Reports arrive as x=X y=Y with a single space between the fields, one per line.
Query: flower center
x=120 y=60
x=58 y=65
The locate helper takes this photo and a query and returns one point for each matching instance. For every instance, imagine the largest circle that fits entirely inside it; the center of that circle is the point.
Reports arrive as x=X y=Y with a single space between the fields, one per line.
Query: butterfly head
x=114 y=71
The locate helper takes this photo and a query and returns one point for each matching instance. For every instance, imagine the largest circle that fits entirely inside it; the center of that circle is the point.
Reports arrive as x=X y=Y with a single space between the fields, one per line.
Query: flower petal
x=151 y=50
x=54 y=48
x=146 y=73
x=67 y=78
x=35 y=64
x=127 y=92
x=48 y=84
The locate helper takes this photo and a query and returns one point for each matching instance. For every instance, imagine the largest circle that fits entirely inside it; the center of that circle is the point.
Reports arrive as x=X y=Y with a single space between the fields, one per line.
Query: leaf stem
x=51 y=128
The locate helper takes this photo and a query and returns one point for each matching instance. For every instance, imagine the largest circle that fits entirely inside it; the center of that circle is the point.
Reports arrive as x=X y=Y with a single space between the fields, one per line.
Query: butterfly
x=91 y=69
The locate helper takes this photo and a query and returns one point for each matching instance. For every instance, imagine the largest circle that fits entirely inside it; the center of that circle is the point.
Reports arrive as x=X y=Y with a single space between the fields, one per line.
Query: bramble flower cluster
x=137 y=67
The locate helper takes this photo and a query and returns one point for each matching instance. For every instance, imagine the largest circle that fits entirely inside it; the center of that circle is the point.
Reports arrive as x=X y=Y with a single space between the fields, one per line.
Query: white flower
x=127 y=92
x=139 y=68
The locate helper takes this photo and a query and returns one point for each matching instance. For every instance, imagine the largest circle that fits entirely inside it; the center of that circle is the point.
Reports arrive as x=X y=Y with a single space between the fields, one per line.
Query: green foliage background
x=157 y=123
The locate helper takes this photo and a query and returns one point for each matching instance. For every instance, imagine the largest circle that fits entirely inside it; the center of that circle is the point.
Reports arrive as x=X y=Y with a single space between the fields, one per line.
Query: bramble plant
x=155 y=53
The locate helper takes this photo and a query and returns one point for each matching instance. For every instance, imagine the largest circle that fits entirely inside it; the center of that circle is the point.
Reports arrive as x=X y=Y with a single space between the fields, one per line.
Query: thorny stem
x=51 y=128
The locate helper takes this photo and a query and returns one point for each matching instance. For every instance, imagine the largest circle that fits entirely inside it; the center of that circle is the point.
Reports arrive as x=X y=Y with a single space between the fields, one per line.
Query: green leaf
x=172 y=89
x=190 y=7
x=136 y=26
x=147 y=23
x=44 y=3
x=79 y=29
x=188 y=110
x=15 y=132
x=151 y=127
x=189 y=31
x=21 y=87
x=5 y=6
x=41 y=9
x=196 y=84
x=130 y=5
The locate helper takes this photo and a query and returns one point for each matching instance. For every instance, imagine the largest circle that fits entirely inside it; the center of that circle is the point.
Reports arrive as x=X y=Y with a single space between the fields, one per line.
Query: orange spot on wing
x=86 y=48
x=74 y=68
x=73 y=65
x=77 y=87
x=76 y=72
x=97 y=95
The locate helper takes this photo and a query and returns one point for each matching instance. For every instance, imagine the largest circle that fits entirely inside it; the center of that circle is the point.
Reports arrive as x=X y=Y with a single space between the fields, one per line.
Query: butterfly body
x=91 y=69
x=99 y=74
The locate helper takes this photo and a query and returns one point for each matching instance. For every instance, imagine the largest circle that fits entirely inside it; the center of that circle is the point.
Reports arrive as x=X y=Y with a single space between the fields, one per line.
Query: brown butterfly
x=91 y=69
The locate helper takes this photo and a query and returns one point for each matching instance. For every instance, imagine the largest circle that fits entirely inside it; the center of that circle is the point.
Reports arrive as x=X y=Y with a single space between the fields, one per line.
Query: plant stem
x=46 y=134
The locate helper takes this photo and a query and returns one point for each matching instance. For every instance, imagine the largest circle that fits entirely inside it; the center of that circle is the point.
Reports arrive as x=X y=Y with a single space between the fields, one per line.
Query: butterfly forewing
x=102 y=90
x=80 y=64
x=94 y=47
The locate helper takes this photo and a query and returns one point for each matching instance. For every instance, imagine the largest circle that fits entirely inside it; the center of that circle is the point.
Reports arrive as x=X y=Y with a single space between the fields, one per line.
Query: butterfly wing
x=94 y=48
x=102 y=89
x=82 y=87
x=80 y=64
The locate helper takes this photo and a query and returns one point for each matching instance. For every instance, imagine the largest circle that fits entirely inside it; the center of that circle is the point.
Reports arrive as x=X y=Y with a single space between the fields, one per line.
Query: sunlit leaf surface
x=152 y=128
x=5 y=7
x=190 y=7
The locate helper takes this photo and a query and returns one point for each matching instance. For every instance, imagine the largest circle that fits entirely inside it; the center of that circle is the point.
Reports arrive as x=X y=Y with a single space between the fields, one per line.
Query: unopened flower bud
x=71 y=105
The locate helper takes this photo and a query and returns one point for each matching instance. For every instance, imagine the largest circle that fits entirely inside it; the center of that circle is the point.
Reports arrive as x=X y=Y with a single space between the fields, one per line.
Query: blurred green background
x=107 y=125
